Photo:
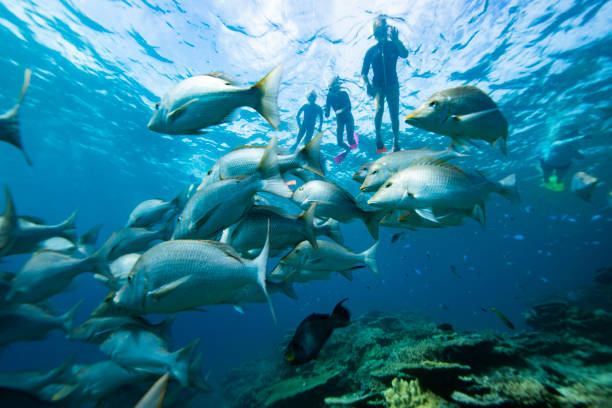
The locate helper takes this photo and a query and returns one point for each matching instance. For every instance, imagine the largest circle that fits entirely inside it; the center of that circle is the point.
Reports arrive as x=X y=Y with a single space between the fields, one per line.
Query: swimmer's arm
x=297 y=117
x=401 y=49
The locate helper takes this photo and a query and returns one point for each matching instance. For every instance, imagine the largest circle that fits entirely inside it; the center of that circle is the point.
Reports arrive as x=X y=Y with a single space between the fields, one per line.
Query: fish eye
x=410 y=195
x=433 y=104
x=389 y=184
x=129 y=278
x=375 y=171
x=157 y=106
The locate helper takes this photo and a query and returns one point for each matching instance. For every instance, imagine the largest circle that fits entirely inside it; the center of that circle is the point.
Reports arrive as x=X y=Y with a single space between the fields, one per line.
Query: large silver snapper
x=9 y=121
x=206 y=100
x=47 y=273
x=429 y=185
x=143 y=351
x=244 y=161
x=379 y=171
x=26 y=322
x=185 y=274
x=330 y=256
x=334 y=202
x=464 y=113
x=219 y=205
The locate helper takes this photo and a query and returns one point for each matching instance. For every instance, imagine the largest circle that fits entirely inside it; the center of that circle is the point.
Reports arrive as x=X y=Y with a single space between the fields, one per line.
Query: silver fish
x=287 y=273
x=31 y=232
x=25 y=322
x=334 y=202
x=34 y=381
x=248 y=235
x=429 y=185
x=96 y=329
x=329 y=256
x=47 y=273
x=391 y=163
x=144 y=351
x=120 y=268
x=206 y=100
x=464 y=113
x=583 y=185
x=84 y=246
x=185 y=274
x=128 y=239
x=9 y=121
x=219 y=205
x=150 y=212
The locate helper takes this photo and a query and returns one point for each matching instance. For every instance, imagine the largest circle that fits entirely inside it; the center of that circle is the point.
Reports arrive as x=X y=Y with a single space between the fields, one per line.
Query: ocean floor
x=403 y=360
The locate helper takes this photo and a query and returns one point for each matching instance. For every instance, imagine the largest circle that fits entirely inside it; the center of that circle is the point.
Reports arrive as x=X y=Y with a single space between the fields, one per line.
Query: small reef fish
x=206 y=100
x=464 y=113
x=503 y=318
x=313 y=332
x=9 y=121
x=397 y=236
x=583 y=185
x=453 y=270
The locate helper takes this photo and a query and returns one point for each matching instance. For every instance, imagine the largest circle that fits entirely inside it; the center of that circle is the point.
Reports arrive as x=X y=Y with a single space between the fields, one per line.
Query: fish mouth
x=410 y=118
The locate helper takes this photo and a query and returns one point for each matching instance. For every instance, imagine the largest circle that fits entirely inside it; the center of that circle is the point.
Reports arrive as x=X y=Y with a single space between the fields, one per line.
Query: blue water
x=99 y=66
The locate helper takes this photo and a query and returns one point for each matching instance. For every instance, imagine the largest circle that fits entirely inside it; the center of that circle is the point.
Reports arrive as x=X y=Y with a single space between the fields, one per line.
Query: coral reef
x=394 y=360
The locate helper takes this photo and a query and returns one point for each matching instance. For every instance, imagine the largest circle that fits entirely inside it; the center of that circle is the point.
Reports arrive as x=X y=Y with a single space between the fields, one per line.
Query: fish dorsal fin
x=248 y=147
x=227 y=249
x=33 y=220
x=228 y=80
x=427 y=161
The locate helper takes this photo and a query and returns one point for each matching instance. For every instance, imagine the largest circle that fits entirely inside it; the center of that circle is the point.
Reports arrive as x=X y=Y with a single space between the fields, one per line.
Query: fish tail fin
x=180 y=368
x=269 y=173
x=266 y=102
x=309 y=156
x=371 y=219
x=369 y=257
x=451 y=152
x=91 y=236
x=503 y=144
x=307 y=218
x=12 y=121
x=68 y=317
x=459 y=146
x=9 y=210
x=348 y=274
x=287 y=288
x=62 y=373
x=196 y=379
x=164 y=328
x=260 y=263
x=507 y=188
x=69 y=227
x=341 y=316
x=166 y=231
x=478 y=213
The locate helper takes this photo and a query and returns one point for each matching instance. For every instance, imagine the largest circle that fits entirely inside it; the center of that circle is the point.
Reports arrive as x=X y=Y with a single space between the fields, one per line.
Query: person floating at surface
x=311 y=111
x=339 y=100
x=382 y=57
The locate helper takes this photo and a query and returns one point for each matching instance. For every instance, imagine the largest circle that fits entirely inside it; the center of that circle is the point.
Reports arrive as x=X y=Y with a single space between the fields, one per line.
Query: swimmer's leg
x=393 y=102
x=379 y=99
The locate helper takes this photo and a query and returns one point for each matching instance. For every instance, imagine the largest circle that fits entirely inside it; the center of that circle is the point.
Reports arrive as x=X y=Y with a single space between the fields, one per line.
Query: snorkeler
x=382 y=57
x=556 y=161
x=311 y=111
x=339 y=100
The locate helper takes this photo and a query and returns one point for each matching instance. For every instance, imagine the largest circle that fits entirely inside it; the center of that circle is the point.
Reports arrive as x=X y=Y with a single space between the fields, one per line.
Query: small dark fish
x=483 y=309
x=397 y=236
x=503 y=318
x=313 y=332
x=453 y=270
x=446 y=327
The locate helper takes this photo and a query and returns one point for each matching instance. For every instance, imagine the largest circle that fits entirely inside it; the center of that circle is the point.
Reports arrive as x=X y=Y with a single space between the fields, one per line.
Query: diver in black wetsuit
x=311 y=111
x=384 y=84
x=339 y=100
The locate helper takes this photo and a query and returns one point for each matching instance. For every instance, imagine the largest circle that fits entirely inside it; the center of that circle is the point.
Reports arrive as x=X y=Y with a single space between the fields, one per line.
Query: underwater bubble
x=595 y=217
x=519 y=237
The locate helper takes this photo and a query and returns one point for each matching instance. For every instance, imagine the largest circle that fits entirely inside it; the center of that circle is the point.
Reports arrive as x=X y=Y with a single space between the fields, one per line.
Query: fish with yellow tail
x=206 y=100
x=503 y=318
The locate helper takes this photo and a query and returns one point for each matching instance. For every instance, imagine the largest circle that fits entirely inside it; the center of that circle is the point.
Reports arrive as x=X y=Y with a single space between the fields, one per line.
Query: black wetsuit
x=341 y=103
x=307 y=126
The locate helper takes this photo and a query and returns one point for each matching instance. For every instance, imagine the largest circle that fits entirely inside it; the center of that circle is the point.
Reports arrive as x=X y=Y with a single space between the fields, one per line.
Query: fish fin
x=195 y=374
x=309 y=156
x=266 y=103
x=227 y=249
x=68 y=317
x=287 y=288
x=11 y=119
x=371 y=219
x=168 y=288
x=507 y=188
x=180 y=370
x=32 y=219
x=239 y=308
x=334 y=230
x=69 y=228
x=154 y=397
x=341 y=316
x=470 y=117
x=307 y=218
x=9 y=210
x=260 y=263
x=175 y=114
x=91 y=236
x=587 y=191
x=429 y=161
x=478 y=213
x=225 y=236
x=202 y=220
x=221 y=75
x=426 y=213
x=369 y=257
x=452 y=152
x=63 y=392
x=348 y=274
x=269 y=173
